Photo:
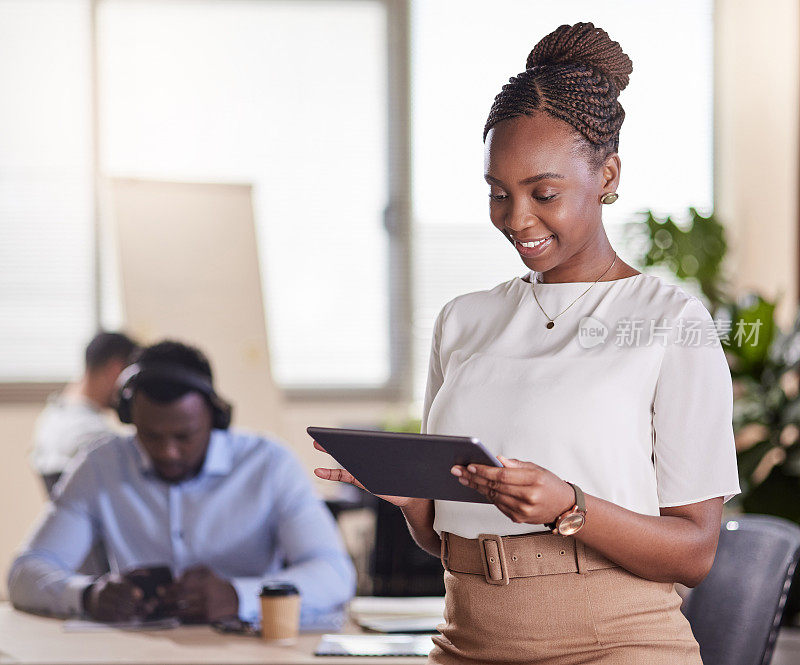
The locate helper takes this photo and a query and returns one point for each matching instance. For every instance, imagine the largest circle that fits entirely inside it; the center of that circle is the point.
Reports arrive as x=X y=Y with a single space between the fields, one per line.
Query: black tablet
x=403 y=464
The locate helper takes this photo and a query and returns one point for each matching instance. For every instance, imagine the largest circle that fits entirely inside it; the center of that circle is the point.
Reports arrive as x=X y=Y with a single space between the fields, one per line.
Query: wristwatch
x=571 y=520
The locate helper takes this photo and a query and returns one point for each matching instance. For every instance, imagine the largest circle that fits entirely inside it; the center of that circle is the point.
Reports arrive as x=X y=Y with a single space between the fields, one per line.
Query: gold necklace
x=551 y=322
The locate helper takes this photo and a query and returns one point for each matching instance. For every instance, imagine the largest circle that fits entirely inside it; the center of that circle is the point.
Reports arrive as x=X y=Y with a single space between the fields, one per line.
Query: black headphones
x=172 y=372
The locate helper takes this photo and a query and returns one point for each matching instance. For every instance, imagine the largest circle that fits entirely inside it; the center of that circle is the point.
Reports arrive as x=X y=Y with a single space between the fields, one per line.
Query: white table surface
x=32 y=640
x=28 y=639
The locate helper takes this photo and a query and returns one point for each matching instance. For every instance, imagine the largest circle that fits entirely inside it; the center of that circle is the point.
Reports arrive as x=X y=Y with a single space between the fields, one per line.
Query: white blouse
x=629 y=395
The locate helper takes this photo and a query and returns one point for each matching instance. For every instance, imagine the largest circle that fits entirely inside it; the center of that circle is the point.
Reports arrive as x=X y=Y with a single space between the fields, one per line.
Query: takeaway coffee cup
x=280 y=612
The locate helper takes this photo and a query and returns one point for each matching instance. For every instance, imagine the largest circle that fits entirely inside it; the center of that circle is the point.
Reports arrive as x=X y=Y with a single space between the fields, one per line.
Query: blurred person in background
x=76 y=416
x=226 y=511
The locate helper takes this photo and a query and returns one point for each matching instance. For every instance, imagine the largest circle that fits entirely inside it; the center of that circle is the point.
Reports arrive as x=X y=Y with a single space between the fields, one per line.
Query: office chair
x=399 y=567
x=735 y=612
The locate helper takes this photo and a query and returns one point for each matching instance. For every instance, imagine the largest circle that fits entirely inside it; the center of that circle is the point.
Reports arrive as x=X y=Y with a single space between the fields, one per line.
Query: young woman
x=604 y=392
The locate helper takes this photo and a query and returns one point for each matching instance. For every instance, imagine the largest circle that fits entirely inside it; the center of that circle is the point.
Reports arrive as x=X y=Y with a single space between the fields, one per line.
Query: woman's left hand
x=523 y=491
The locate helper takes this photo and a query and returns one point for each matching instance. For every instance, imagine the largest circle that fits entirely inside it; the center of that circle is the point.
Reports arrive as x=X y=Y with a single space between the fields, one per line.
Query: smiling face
x=543 y=183
x=174 y=434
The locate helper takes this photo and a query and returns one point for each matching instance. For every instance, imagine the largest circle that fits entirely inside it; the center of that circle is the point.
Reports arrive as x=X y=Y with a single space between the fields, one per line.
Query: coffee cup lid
x=279 y=589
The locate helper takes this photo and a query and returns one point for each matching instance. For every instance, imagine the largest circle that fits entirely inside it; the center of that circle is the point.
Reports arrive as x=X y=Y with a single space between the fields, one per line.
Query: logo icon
x=591 y=332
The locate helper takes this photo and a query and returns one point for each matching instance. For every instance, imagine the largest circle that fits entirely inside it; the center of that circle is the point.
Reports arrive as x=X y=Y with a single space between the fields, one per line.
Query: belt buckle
x=493 y=557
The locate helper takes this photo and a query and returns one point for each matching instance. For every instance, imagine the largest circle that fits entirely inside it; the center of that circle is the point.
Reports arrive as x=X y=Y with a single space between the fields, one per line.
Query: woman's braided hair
x=575 y=74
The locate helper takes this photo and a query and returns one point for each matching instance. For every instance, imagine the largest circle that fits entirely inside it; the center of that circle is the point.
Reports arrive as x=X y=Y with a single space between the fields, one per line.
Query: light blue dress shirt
x=251 y=515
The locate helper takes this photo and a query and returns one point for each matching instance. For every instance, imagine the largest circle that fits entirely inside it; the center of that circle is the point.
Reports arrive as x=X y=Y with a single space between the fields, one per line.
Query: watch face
x=570 y=524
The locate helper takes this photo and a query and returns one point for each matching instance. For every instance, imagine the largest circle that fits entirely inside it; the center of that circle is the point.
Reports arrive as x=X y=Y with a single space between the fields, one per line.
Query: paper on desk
x=364 y=606
x=420 y=624
x=374 y=645
x=398 y=615
x=83 y=626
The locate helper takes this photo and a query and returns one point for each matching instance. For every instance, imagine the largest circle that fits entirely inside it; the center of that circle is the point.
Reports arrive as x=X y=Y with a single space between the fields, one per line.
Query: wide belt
x=501 y=558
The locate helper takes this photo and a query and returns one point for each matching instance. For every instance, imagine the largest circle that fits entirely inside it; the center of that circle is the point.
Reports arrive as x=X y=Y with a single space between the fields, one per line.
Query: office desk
x=27 y=639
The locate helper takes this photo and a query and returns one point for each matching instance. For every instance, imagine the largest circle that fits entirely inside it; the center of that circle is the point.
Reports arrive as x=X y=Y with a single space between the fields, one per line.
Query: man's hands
x=200 y=596
x=112 y=598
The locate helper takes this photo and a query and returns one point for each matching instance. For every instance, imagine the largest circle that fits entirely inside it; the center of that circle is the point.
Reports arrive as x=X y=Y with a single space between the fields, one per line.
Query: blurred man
x=225 y=511
x=74 y=417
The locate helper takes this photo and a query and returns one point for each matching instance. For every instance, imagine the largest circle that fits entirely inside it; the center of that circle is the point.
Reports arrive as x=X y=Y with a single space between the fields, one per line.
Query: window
x=46 y=196
x=294 y=97
x=460 y=61
x=301 y=98
x=289 y=96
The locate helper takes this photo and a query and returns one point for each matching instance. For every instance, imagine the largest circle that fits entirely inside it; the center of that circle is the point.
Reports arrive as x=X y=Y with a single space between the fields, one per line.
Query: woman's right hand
x=344 y=476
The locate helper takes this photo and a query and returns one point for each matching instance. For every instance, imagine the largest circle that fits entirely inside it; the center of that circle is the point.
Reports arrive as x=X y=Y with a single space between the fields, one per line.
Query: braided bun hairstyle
x=575 y=74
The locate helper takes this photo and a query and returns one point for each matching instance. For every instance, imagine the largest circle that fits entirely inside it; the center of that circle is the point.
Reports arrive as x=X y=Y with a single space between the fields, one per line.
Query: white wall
x=756 y=183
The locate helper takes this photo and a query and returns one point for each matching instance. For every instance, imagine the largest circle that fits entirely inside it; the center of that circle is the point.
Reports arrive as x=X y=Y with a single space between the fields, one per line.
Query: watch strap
x=580 y=502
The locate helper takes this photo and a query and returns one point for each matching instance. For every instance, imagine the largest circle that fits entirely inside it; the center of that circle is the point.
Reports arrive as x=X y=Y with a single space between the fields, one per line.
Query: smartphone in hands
x=149 y=580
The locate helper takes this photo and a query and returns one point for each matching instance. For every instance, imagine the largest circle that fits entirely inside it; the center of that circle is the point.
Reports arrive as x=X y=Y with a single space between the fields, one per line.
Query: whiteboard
x=189 y=270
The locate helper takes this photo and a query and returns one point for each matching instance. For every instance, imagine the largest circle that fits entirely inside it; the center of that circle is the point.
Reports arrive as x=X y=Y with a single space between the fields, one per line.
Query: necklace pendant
x=550 y=324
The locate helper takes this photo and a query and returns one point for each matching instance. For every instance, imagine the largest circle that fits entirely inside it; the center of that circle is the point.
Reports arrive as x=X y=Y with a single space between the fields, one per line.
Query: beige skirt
x=548 y=599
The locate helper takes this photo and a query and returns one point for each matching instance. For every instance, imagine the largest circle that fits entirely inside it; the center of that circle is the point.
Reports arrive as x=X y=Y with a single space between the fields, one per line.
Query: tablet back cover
x=402 y=464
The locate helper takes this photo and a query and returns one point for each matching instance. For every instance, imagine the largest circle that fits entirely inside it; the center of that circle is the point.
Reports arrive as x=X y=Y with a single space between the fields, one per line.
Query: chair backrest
x=735 y=612
x=399 y=566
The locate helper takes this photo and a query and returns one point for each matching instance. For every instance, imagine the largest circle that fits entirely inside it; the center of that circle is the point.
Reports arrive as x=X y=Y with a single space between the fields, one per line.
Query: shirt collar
x=218 y=461
x=219 y=456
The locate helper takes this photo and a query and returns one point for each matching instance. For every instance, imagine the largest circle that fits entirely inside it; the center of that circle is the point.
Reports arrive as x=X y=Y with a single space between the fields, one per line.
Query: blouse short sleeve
x=693 y=445
x=435 y=373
